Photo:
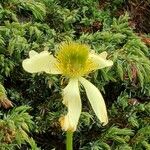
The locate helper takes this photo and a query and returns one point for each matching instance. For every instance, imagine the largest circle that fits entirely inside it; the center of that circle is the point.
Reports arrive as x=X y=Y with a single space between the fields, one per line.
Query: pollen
x=74 y=59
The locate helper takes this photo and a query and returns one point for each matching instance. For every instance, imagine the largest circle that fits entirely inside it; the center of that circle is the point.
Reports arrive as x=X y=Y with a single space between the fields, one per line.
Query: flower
x=73 y=60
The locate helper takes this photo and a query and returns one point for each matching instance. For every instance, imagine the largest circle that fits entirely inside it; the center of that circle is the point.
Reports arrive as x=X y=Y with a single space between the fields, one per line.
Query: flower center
x=73 y=59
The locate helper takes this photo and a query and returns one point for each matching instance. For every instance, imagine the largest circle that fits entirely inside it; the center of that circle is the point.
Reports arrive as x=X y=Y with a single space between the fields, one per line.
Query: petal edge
x=71 y=98
x=39 y=62
x=96 y=100
x=100 y=60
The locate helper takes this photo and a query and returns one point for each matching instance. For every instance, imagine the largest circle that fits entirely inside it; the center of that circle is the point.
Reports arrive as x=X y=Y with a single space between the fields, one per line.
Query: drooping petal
x=100 y=60
x=39 y=62
x=96 y=100
x=71 y=98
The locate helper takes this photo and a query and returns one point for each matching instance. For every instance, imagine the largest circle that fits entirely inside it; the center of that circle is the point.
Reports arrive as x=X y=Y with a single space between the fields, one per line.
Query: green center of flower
x=74 y=59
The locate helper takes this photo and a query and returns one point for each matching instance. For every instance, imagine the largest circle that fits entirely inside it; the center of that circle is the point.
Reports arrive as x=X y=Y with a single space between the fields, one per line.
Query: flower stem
x=69 y=140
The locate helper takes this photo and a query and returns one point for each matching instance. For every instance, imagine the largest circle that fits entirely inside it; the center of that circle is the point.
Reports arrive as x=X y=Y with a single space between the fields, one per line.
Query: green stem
x=69 y=140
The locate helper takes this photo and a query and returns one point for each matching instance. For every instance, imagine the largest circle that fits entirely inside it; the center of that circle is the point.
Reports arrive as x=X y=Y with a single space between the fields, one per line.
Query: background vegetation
x=120 y=27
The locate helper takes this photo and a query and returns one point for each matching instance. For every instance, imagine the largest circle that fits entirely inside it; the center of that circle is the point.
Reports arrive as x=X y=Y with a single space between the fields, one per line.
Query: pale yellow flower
x=72 y=60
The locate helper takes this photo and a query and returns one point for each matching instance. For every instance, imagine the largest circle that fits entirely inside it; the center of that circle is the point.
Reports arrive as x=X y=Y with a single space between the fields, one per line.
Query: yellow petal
x=39 y=62
x=100 y=60
x=71 y=98
x=32 y=53
x=103 y=54
x=96 y=100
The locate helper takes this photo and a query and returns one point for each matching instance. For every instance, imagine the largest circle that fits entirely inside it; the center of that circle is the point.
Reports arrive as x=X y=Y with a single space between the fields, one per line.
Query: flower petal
x=101 y=60
x=32 y=53
x=96 y=100
x=71 y=98
x=39 y=62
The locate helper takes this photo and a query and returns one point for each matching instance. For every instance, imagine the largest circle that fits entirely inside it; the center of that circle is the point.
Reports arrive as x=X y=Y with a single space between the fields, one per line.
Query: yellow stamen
x=74 y=59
